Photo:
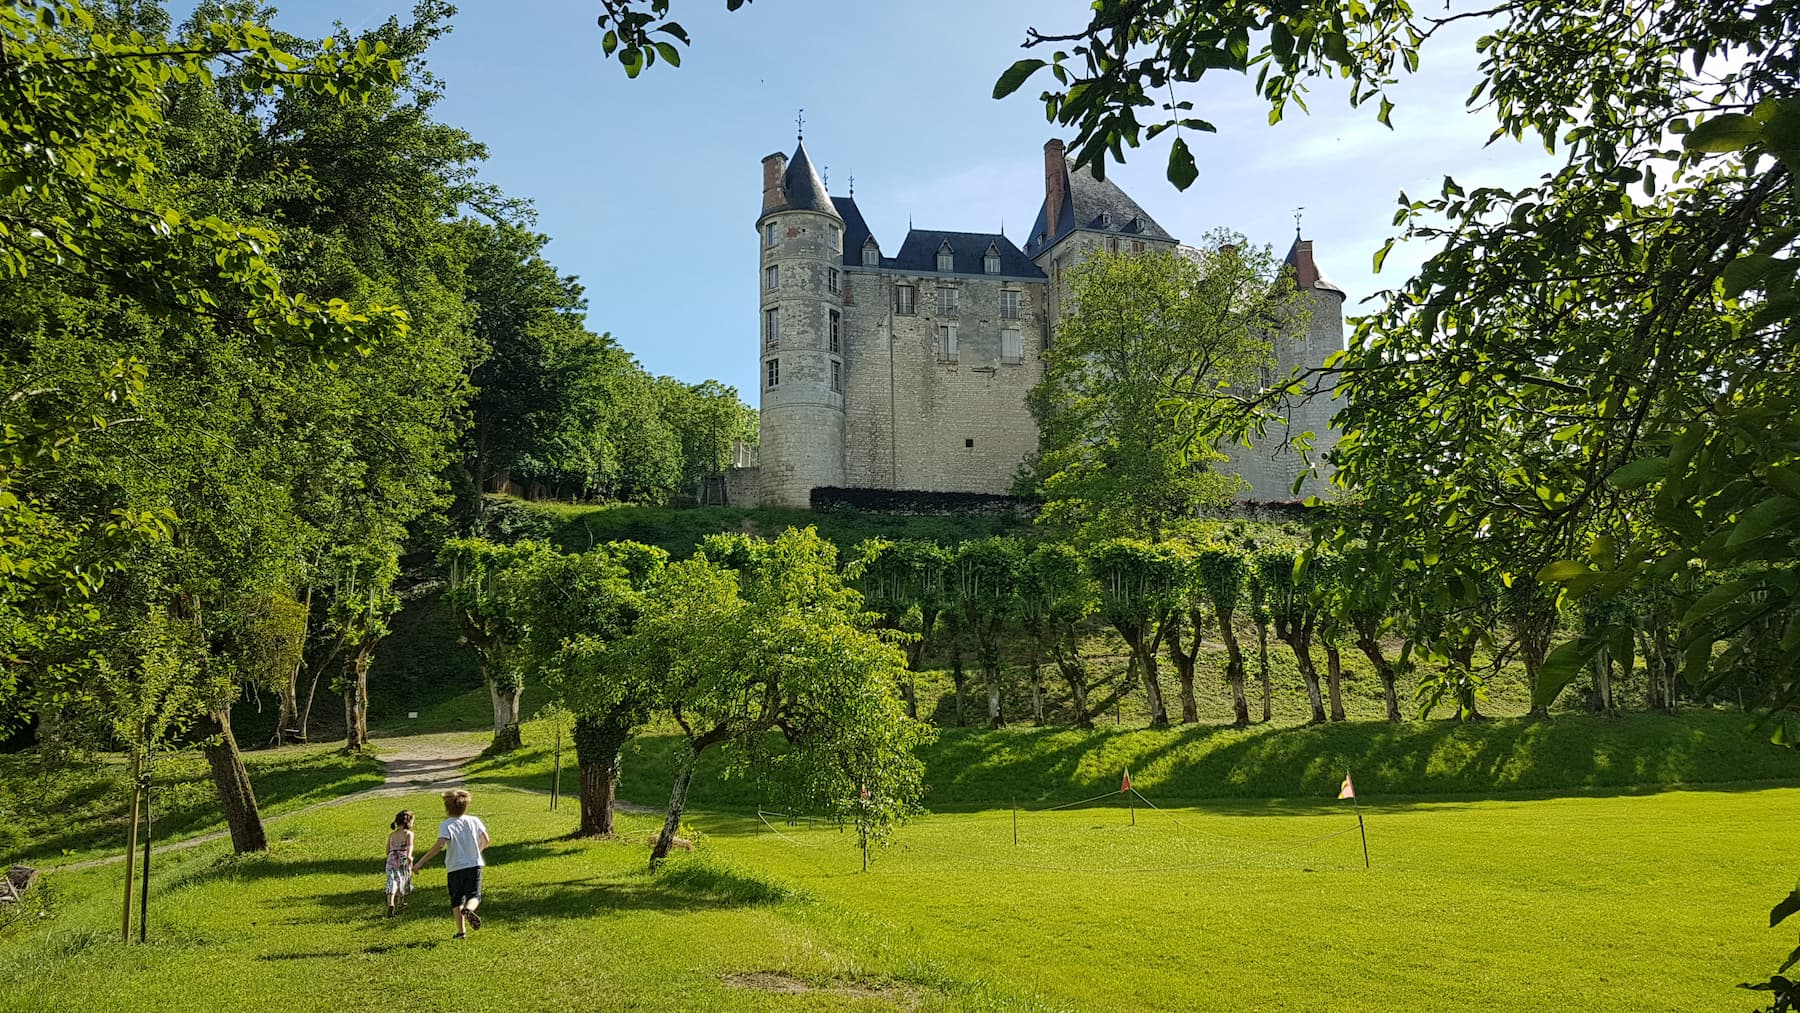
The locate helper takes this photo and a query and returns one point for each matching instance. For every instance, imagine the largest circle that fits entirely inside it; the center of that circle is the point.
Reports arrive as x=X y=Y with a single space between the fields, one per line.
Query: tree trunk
x=1145 y=655
x=236 y=796
x=506 y=700
x=1184 y=671
x=1603 y=696
x=1262 y=671
x=1334 y=679
x=957 y=681
x=1533 y=662
x=1371 y=649
x=289 y=722
x=1074 y=672
x=1035 y=665
x=599 y=743
x=677 y=803
x=1234 y=671
x=990 y=674
x=356 y=697
x=1299 y=640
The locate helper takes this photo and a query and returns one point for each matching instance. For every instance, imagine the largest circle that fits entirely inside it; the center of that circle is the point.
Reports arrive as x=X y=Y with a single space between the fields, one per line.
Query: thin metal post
x=1361 y=829
x=1015 y=823
x=556 y=771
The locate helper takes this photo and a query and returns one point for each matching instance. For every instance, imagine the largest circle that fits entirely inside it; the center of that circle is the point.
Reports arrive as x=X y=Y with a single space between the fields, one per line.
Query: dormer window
x=990 y=262
x=946 y=260
x=871 y=254
x=1105 y=220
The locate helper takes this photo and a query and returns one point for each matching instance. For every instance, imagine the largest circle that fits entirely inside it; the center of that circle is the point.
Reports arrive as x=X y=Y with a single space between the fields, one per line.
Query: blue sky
x=650 y=188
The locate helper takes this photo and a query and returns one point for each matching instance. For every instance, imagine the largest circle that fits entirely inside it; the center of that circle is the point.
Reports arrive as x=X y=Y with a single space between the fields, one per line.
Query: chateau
x=909 y=368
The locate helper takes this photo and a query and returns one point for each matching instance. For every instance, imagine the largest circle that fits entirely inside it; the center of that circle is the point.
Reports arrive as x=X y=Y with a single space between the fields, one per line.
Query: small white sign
x=413 y=715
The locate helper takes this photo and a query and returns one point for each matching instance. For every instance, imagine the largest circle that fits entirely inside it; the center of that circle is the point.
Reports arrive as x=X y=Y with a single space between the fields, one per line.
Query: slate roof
x=1323 y=282
x=1092 y=204
x=856 y=230
x=918 y=254
x=802 y=187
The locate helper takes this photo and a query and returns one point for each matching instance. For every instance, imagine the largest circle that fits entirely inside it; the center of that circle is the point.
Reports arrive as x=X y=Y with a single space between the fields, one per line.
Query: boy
x=461 y=838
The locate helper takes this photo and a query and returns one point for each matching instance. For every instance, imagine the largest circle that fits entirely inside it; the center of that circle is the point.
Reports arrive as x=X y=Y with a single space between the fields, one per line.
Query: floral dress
x=399 y=867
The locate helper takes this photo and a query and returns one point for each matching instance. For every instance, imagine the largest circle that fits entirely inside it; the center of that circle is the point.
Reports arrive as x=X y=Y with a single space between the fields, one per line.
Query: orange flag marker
x=1348 y=790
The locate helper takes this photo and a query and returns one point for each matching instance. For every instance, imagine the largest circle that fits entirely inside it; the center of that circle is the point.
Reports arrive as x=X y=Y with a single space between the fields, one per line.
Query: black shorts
x=465 y=885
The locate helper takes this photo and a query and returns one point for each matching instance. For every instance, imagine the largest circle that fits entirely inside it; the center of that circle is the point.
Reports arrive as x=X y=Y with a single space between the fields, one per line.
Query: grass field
x=1651 y=902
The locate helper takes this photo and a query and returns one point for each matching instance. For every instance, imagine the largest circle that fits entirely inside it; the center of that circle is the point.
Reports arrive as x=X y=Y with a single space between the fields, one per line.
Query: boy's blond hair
x=456 y=801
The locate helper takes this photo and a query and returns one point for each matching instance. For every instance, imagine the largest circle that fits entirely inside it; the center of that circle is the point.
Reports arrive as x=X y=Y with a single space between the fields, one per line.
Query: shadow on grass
x=376 y=950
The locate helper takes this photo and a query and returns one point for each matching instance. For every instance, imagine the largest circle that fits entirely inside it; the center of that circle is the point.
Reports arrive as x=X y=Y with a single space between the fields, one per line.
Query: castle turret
x=802 y=365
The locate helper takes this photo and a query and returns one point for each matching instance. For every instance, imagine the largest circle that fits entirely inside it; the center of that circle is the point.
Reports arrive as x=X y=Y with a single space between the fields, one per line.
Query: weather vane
x=827 y=175
x=800 y=124
x=1297 y=212
x=853 y=184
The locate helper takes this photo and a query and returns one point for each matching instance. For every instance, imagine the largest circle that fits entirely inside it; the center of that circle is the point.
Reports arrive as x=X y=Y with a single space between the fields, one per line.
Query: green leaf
x=1742 y=273
x=1730 y=132
x=1182 y=170
x=1762 y=519
x=1381 y=254
x=1015 y=76
x=1563 y=570
x=1639 y=473
x=1561 y=667
x=669 y=53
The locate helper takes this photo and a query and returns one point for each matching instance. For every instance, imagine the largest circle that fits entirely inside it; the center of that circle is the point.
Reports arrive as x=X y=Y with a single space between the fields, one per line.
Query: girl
x=399 y=862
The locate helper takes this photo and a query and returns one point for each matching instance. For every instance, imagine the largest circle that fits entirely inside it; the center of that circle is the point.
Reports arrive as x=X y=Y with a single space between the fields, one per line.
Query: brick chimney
x=774 y=167
x=1055 y=169
x=1306 y=275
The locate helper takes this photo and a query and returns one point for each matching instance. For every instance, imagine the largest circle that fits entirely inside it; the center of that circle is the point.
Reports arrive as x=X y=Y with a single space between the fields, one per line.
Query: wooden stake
x=144 y=896
x=556 y=772
x=131 y=844
x=1015 y=823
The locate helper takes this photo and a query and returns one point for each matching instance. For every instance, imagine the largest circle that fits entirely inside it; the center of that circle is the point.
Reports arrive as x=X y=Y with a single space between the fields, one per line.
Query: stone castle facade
x=910 y=369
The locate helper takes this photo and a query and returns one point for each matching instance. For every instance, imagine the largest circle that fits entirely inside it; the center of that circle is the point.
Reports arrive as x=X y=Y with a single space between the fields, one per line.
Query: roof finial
x=825 y=177
x=853 y=184
x=800 y=125
x=1297 y=212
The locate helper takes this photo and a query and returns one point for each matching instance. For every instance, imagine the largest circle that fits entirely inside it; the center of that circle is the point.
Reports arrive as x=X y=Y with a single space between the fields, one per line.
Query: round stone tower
x=801 y=236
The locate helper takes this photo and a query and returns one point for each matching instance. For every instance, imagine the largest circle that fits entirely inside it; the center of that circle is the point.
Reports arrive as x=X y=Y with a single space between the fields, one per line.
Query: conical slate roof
x=803 y=188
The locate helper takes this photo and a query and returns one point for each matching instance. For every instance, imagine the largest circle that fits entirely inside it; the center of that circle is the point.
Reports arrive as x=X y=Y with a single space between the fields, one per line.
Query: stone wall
x=802 y=416
x=918 y=419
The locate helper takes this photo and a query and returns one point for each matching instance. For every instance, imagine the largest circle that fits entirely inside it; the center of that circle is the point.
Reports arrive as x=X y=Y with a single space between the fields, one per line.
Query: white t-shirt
x=464 y=835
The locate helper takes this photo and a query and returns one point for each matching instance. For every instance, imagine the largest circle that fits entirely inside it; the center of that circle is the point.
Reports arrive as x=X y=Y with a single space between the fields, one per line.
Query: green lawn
x=1653 y=902
x=80 y=810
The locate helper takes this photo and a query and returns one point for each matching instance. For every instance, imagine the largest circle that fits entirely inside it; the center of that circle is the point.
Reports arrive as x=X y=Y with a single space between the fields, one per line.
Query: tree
x=754 y=638
x=1140 y=588
x=1221 y=573
x=983 y=579
x=1135 y=389
x=1290 y=589
x=903 y=581
x=486 y=612
x=576 y=609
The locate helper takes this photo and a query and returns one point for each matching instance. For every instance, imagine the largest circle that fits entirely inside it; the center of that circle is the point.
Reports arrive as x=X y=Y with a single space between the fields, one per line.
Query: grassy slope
x=1497 y=906
x=1038 y=766
x=82 y=810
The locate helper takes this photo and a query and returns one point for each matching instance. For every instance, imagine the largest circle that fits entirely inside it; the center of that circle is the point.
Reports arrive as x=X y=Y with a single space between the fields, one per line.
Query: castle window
x=837 y=325
x=772 y=277
x=1105 y=220
x=990 y=264
x=772 y=327
x=903 y=300
x=1009 y=305
x=1112 y=245
x=769 y=234
x=871 y=254
x=831 y=280
x=969 y=443
x=1137 y=246
x=946 y=342
x=837 y=376
x=946 y=300
x=946 y=260
x=831 y=235
x=1011 y=349
x=774 y=372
